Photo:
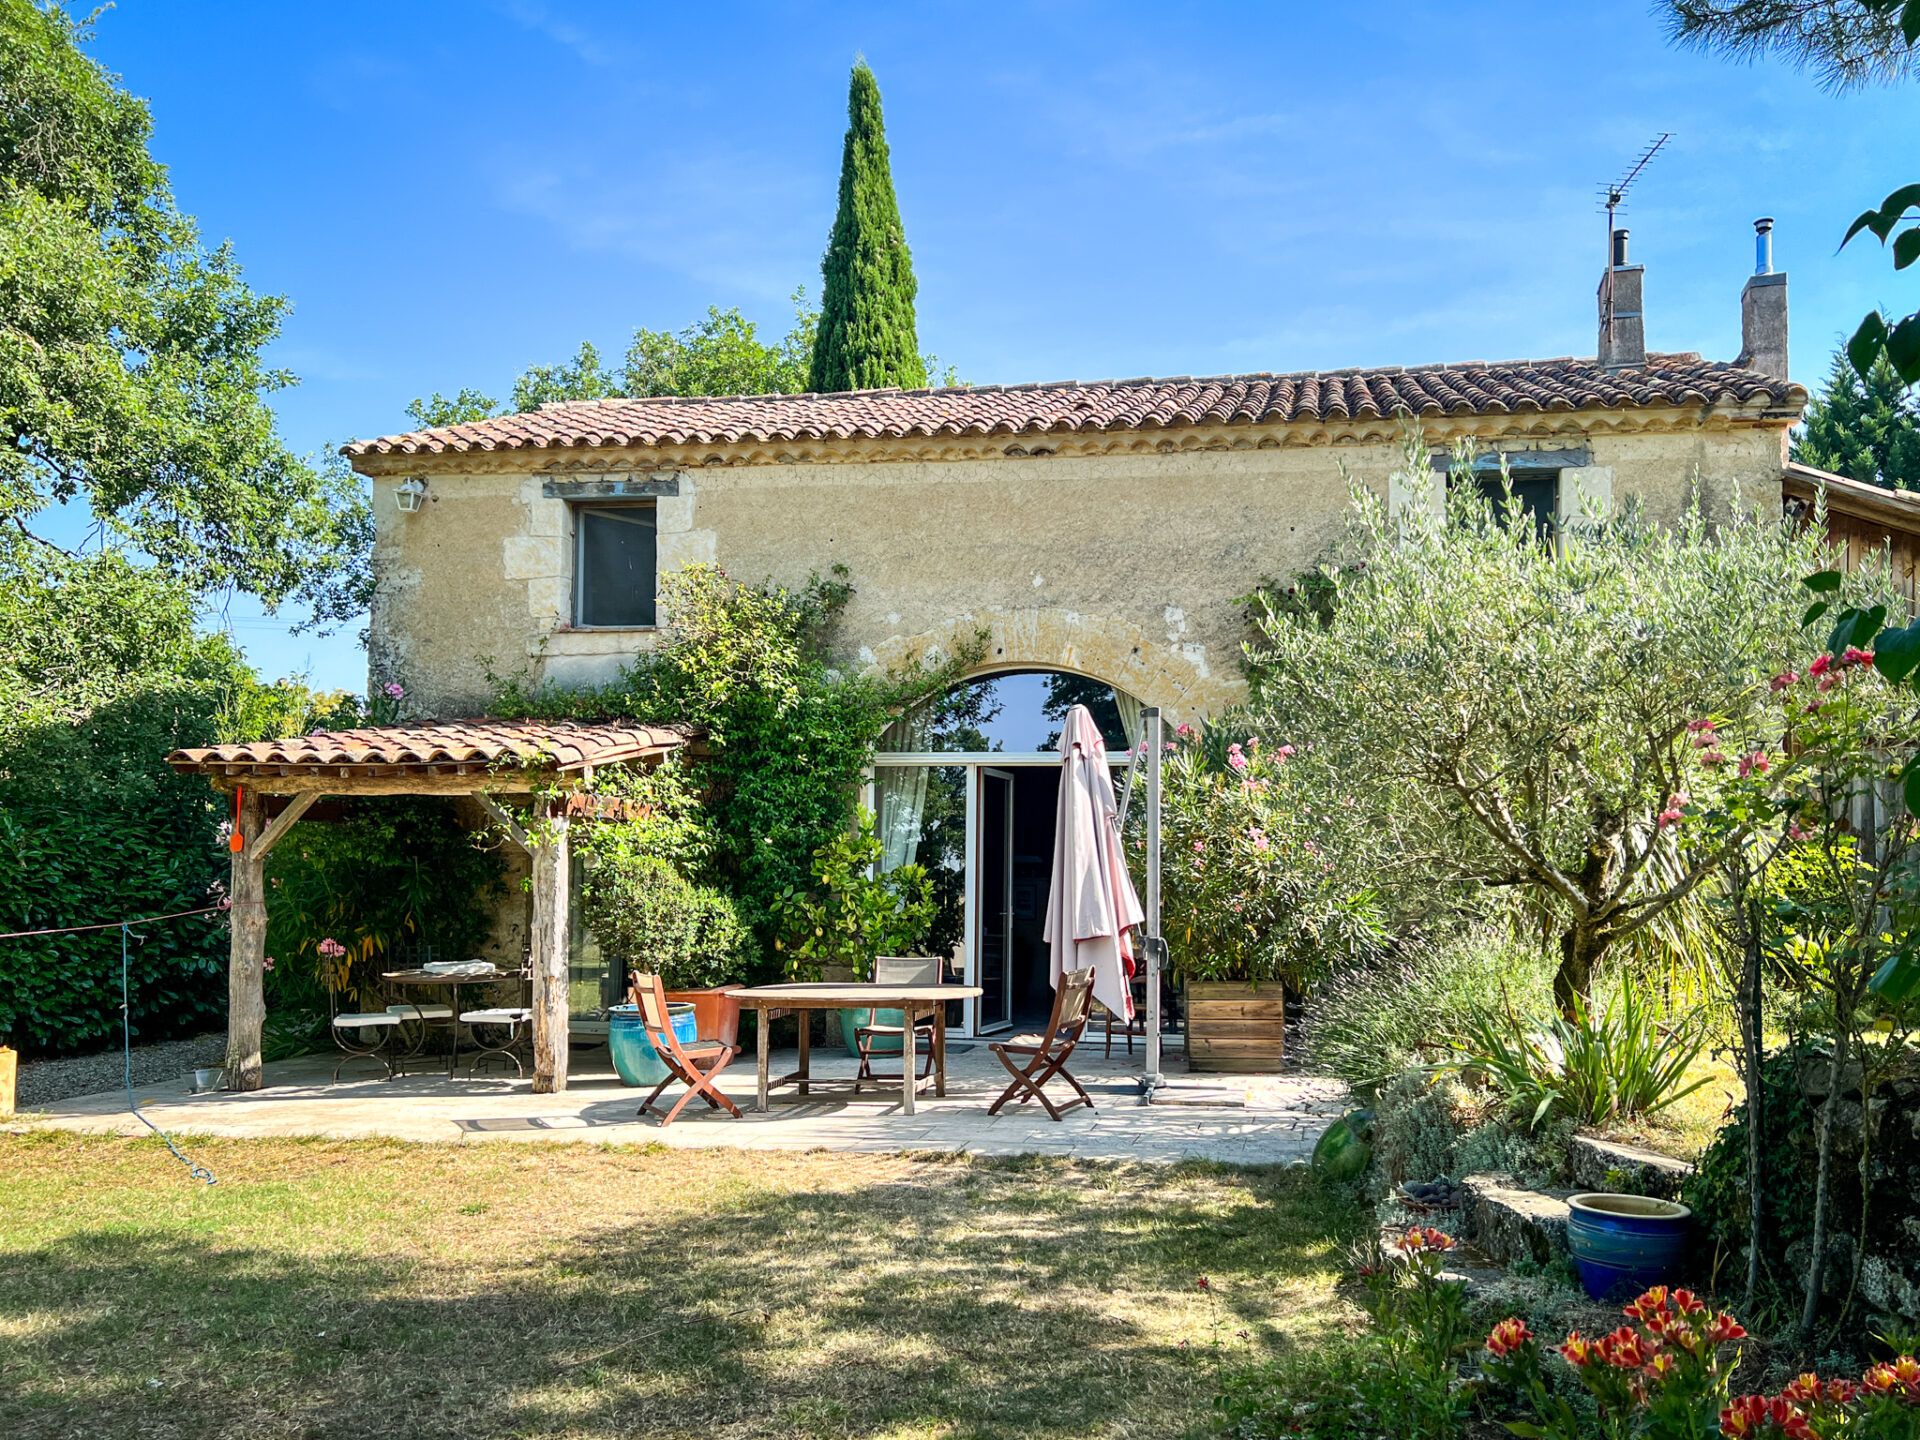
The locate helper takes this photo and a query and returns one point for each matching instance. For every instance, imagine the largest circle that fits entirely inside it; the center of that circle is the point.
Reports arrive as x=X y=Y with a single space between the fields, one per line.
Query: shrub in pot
x=1252 y=904
x=852 y=914
x=651 y=917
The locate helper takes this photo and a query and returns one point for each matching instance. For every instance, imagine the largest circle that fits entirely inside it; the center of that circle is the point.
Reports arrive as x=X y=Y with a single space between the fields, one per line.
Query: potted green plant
x=1251 y=905
x=852 y=914
x=647 y=914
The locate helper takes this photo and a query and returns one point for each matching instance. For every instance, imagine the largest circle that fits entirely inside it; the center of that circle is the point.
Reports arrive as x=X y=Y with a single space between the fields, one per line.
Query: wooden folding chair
x=696 y=1066
x=1071 y=1003
x=897 y=970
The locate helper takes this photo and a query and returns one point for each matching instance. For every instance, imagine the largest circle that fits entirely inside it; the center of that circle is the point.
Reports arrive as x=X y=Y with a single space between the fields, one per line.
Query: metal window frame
x=577 y=588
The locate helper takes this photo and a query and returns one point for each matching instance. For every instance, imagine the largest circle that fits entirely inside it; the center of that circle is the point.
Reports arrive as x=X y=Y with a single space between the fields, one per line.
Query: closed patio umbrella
x=1091 y=902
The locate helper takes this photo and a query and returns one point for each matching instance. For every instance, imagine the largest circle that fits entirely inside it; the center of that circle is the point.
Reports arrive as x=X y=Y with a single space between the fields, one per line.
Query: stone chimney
x=1623 y=330
x=1763 y=309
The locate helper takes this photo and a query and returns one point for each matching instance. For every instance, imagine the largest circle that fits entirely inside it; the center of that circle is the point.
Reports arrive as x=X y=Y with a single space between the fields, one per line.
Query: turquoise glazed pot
x=852 y=1020
x=633 y=1054
x=1624 y=1243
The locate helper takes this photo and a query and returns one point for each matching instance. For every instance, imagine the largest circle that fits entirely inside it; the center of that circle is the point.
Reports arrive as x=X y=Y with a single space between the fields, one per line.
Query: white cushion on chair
x=365 y=1022
x=421 y=1012
x=495 y=1017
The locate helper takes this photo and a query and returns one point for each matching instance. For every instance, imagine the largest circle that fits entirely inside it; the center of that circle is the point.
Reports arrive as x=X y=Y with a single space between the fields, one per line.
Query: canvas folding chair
x=696 y=1065
x=897 y=970
x=1032 y=1066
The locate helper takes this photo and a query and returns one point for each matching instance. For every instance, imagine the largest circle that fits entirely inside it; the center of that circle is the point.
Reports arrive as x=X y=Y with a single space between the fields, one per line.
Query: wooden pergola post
x=247 y=948
x=548 y=944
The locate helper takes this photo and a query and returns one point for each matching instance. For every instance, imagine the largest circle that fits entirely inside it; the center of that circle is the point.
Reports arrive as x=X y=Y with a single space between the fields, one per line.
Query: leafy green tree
x=102 y=673
x=867 y=334
x=1865 y=427
x=1516 y=715
x=132 y=378
x=720 y=355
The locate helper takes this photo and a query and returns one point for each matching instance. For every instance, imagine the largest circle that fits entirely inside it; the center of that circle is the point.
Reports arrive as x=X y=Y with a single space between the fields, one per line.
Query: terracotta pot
x=716 y=1013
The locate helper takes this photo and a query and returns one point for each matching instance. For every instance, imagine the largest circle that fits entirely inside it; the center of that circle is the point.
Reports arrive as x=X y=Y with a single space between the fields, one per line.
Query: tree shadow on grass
x=958 y=1299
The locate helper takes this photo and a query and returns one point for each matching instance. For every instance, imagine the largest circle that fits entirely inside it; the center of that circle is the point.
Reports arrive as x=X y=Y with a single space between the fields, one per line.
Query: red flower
x=1821 y=664
x=1626 y=1349
x=1803 y=1388
x=1856 y=656
x=1756 y=1414
x=1652 y=1303
x=1203 y=1283
x=1576 y=1350
x=1687 y=1303
x=1842 y=1392
x=1696 y=727
x=1724 y=1328
x=1508 y=1336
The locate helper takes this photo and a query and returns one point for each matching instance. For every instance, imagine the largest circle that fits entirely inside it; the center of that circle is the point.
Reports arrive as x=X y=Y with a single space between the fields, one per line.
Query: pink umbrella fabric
x=1092 y=902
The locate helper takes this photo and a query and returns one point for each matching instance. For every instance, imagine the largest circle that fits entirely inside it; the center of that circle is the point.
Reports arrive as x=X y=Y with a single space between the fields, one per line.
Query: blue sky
x=450 y=192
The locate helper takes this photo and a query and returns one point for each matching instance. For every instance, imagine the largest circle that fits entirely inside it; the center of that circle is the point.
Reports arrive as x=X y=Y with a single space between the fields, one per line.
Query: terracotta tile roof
x=1474 y=388
x=562 y=745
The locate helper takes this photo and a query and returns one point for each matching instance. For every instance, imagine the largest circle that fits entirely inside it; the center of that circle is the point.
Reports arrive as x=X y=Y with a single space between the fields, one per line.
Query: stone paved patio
x=1263 y=1119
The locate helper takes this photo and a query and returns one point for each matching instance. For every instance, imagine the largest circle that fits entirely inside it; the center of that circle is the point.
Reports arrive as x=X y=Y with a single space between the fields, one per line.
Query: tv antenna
x=1613 y=198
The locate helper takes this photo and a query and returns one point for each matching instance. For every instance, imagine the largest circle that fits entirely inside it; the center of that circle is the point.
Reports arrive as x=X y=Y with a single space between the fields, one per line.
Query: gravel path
x=44 y=1081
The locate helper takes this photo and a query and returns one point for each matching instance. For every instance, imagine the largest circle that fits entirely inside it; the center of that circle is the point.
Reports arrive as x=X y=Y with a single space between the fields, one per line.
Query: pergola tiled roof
x=1473 y=388
x=453 y=747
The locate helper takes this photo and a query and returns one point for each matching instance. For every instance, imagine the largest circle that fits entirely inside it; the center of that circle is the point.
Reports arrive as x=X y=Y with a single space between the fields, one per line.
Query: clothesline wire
x=223 y=907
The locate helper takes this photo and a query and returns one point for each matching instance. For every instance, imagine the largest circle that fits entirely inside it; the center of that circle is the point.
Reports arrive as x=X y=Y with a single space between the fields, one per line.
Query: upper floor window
x=1538 y=492
x=615 y=565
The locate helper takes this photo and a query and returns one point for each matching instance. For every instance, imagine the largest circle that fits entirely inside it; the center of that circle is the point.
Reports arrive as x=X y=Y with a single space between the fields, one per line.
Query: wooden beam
x=272 y=782
x=283 y=822
x=504 y=820
x=549 y=956
x=247 y=948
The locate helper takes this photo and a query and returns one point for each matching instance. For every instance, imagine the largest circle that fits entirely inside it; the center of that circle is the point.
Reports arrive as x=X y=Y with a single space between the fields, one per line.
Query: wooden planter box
x=1236 y=1025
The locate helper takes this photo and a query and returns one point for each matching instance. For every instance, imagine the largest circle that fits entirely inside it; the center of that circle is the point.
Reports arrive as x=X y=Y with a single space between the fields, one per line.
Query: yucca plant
x=1617 y=1062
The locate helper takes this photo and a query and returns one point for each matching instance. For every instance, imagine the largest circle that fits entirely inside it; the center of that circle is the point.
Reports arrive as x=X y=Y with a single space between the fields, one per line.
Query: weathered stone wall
x=1123 y=565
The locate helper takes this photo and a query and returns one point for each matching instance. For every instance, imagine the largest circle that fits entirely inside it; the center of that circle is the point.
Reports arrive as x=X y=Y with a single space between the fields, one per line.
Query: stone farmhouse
x=1096 y=531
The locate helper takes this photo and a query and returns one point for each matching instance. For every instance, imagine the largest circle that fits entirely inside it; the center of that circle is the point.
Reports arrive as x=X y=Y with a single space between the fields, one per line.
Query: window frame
x=577 y=510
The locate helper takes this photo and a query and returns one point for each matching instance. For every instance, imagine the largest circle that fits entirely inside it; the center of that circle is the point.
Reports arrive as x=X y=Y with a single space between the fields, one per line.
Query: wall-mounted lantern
x=410 y=494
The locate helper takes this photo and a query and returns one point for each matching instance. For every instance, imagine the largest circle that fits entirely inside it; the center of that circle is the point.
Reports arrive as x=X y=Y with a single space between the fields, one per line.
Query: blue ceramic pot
x=1624 y=1243
x=633 y=1054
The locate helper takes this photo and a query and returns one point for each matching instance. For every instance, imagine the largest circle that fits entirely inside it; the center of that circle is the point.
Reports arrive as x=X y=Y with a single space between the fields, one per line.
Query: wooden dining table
x=768 y=1002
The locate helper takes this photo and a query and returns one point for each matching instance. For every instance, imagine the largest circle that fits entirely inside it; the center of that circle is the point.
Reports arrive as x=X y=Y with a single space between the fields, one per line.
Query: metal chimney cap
x=1763 y=224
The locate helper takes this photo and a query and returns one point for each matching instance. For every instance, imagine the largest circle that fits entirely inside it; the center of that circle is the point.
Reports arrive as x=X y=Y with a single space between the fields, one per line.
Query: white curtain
x=899 y=803
x=1130 y=725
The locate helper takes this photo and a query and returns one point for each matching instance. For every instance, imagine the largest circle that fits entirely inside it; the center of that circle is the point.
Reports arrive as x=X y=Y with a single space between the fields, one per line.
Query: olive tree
x=1514 y=710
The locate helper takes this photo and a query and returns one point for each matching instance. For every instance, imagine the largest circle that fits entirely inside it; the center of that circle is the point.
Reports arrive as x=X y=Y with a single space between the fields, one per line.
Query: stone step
x=1609 y=1165
x=1508 y=1222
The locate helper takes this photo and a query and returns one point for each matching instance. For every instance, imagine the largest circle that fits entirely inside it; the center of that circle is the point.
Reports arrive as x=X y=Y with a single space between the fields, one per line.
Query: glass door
x=994 y=930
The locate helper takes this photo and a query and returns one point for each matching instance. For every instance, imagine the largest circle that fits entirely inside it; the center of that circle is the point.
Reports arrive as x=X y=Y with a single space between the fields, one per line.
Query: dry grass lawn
x=333 y=1289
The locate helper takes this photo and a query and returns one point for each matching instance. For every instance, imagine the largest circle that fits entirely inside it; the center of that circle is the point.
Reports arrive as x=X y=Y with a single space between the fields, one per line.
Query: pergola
x=491 y=761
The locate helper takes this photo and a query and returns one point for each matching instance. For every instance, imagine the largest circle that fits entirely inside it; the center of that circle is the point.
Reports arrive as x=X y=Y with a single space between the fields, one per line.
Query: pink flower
x=1827 y=682
x=1713 y=759
x=1199 y=847
x=1235 y=758
x=331 y=948
x=267 y=964
x=1257 y=836
x=1783 y=680
x=393 y=691
x=1821 y=664
x=1754 y=764
x=1183 y=729
x=1285 y=752
x=1856 y=656
x=1698 y=727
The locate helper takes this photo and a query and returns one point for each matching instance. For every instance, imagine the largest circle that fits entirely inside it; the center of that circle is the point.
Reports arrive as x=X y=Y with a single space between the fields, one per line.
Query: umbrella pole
x=1151 y=1079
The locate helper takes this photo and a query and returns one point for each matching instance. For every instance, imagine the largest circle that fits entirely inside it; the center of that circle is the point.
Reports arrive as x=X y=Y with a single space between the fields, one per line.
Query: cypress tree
x=867 y=337
x=1866 y=427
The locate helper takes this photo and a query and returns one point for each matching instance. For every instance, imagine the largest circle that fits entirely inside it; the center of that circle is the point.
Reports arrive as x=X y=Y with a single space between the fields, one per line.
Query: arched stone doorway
x=967 y=786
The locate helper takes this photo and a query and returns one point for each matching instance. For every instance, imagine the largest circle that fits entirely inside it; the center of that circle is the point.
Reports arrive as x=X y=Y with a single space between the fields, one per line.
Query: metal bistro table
x=770 y=1001
x=440 y=980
